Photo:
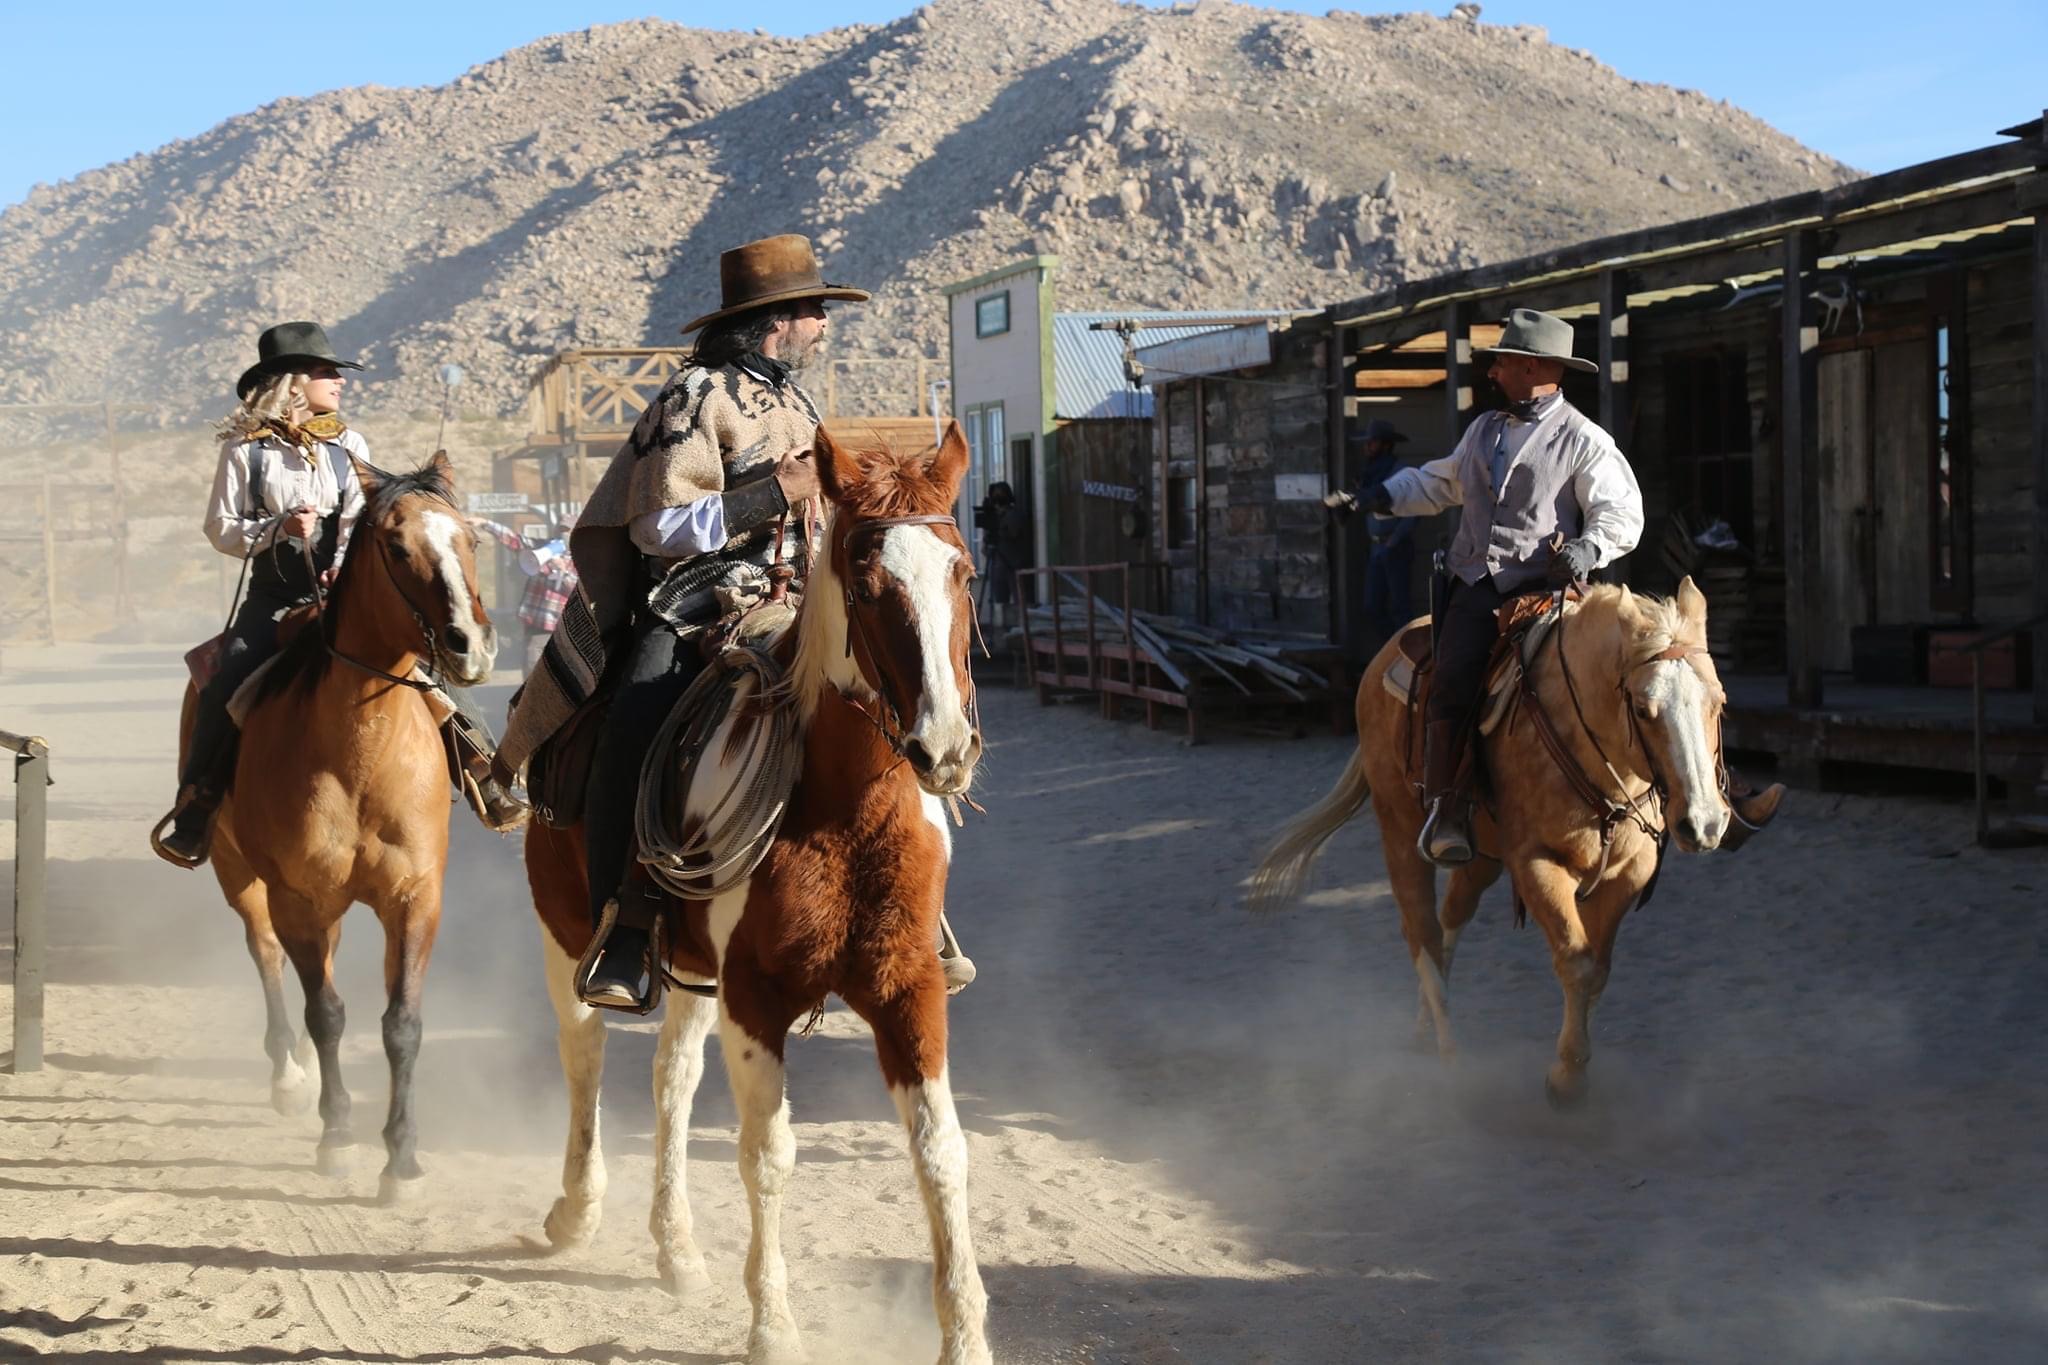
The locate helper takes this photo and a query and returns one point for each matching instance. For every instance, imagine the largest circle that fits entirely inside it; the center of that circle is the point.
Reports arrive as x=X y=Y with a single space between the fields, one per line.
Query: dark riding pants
x=659 y=669
x=251 y=639
x=1464 y=644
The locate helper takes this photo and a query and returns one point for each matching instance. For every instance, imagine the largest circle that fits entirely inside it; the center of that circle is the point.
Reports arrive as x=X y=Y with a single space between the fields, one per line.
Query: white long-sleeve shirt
x=673 y=532
x=1501 y=535
x=234 y=523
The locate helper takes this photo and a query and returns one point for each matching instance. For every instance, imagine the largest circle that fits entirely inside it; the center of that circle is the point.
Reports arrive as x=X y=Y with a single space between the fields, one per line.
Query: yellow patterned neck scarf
x=326 y=426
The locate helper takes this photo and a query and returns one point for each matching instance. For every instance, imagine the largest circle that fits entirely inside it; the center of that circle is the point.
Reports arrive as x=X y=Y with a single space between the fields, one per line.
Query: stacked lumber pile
x=1185 y=652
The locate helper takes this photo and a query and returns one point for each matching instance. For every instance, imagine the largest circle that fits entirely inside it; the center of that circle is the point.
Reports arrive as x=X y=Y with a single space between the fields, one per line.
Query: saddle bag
x=558 y=774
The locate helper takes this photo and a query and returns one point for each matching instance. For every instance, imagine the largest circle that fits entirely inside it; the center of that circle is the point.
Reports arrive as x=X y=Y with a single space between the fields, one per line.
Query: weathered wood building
x=1836 y=402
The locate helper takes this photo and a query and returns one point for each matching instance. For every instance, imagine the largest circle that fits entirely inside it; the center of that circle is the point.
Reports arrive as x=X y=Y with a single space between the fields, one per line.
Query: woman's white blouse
x=290 y=480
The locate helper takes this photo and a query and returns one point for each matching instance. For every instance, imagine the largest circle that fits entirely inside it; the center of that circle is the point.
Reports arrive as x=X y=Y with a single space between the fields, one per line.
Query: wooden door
x=1847 y=592
x=1902 y=504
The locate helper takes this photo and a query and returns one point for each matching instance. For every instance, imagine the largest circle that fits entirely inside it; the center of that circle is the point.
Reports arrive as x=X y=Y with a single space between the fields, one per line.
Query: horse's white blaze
x=938 y=1152
x=444 y=534
x=580 y=1039
x=1677 y=695
x=915 y=557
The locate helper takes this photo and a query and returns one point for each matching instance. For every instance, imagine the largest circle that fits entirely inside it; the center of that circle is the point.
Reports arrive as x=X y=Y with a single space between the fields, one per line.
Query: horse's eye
x=864 y=590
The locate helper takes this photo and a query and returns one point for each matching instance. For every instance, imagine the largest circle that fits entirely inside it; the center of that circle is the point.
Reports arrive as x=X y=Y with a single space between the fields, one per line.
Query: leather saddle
x=1525 y=622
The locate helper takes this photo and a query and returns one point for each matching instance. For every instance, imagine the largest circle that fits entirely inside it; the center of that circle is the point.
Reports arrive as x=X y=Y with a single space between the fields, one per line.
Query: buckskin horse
x=341 y=792
x=846 y=901
x=1610 y=742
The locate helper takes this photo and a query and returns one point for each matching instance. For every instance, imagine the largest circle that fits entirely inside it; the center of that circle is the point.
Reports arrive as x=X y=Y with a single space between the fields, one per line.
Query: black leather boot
x=619 y=970
x=1446 y=837
x=189 y=840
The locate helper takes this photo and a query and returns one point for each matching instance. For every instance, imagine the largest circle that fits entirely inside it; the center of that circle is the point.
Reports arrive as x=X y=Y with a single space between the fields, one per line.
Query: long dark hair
x=730 y=338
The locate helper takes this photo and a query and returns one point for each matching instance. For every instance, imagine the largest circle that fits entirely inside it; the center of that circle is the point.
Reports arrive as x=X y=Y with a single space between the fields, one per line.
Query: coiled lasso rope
x=735 y=835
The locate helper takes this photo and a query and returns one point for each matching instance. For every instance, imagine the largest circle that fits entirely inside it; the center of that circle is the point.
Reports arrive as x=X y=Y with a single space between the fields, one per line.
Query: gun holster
x=1439 y=596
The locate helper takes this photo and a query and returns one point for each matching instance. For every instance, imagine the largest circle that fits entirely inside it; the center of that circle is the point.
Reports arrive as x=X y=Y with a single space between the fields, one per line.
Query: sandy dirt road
x=1816 y=1131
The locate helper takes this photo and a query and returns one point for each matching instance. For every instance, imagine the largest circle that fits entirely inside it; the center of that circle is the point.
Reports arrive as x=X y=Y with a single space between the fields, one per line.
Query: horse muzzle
x=947 y=770
x=1701 y=833
x=467 y=654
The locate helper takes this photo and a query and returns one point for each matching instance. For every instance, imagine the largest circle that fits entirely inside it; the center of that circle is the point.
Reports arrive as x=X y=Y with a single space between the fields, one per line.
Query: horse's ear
x=839 y=470
x=368 y=477
x=949 y=465
x=1626 y=610
x=1692 y=603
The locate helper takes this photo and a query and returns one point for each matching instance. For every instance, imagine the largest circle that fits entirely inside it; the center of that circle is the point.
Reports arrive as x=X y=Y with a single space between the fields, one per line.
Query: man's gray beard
x=799 y=360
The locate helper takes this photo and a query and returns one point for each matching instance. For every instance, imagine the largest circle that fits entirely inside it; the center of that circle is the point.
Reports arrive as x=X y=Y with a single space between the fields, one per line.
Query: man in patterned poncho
x=689 y=506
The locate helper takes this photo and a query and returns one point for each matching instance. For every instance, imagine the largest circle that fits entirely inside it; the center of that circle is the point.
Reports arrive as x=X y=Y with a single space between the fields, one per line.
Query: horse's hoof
x=292 y=1097
x=333 y=1157
x=395 y=1191
x=776 y=1344
x=685 y=1278
x=570 y=1226
x=1566 y=1092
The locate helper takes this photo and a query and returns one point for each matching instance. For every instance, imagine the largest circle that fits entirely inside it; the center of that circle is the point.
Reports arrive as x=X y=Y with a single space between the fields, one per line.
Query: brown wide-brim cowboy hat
x=1541 y=335
x=290 y=348
x=771 y=271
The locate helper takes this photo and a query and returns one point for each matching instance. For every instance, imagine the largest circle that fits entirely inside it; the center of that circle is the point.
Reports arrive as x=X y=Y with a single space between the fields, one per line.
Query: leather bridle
x=429 y=657
x=1611 y=813
x=890 y=722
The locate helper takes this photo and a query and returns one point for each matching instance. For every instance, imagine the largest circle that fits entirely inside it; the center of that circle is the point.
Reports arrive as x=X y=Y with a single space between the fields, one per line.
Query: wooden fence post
x=31 y=845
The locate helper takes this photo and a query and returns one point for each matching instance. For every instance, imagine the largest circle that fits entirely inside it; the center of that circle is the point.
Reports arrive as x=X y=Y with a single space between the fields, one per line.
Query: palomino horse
x=847 y=901
x=341 y=791
x=1621 y=707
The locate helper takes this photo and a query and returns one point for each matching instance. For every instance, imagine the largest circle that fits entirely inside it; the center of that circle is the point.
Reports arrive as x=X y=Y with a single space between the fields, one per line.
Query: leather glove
x=1572 y=562
x=1343 y=504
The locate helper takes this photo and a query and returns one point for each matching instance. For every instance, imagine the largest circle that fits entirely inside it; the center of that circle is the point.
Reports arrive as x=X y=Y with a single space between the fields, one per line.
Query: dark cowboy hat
x=290 y=348
x=1541 y=335
x=1378 y=429
x=772 y=270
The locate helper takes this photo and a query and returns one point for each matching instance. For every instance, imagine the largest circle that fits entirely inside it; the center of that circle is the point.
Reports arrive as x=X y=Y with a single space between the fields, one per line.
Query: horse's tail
x=1281 y=871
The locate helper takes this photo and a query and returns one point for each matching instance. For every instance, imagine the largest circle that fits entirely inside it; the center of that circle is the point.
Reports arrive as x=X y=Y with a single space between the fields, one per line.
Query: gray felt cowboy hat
x=290 y=348
x=773 y=270
x=1537 y=334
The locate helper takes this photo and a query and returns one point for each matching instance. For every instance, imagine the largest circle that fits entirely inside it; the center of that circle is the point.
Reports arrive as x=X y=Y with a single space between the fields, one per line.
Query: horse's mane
x=1659 y=622
x=305 y=661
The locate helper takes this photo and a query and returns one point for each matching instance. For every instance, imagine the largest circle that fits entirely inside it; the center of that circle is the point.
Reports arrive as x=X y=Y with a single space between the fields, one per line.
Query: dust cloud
x=1195 y=1135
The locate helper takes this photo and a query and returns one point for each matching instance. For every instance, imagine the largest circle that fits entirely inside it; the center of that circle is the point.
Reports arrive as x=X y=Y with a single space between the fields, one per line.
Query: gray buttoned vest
x=1508 y=538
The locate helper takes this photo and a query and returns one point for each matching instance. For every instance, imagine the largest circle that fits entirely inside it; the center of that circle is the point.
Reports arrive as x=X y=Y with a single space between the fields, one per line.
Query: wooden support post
x=1201 y=502
x=1337 y=550
x=1458 y=371
x=1799 y=449
x=2040 y=452
x=122 y=610
x=49 y=559
x=31 y=848
x=1614 y=409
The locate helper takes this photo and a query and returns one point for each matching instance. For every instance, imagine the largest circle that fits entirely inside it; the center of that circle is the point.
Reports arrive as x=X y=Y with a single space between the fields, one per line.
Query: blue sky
x=1879 y=84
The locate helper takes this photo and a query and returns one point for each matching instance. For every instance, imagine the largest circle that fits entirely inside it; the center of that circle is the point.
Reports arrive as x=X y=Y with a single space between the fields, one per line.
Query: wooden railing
x=1975 y=647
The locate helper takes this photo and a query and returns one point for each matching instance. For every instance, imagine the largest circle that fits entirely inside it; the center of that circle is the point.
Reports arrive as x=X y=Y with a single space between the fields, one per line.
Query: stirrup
x=958 y=966
x=1455 y=854
x=607 y=921
x=171 y=855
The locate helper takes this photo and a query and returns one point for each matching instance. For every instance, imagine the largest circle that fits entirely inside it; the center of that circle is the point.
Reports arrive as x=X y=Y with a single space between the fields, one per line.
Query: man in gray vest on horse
x=1524 y=476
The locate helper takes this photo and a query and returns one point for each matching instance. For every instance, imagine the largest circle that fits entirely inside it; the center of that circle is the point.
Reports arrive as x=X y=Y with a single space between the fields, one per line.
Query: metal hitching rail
x=31 y=846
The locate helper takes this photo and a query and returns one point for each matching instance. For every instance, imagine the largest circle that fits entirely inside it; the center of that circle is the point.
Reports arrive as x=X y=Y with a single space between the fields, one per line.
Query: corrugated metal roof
x=1088 y=366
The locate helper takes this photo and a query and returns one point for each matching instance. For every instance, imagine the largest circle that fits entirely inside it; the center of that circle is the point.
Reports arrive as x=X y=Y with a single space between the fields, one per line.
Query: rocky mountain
x=577 y=191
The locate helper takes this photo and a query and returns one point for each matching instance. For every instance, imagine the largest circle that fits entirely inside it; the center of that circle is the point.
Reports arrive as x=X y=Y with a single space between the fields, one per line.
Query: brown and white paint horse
x=341 y=794
x=847 y=901
x=1629 y=689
